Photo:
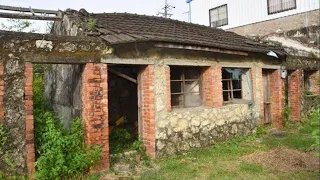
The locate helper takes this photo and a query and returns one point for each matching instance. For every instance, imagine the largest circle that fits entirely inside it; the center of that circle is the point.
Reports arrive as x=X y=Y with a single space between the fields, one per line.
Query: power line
x=166 y=10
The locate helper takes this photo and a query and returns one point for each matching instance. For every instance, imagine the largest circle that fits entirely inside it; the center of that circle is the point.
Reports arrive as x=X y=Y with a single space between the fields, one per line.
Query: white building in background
x=232 y=14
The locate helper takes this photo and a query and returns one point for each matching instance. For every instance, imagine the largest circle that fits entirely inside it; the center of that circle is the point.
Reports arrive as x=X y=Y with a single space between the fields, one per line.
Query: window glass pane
x=214 y=18
x=214 y=12
x=225 y=74
x=192 y=100
x=192 y=86
x=176 y=87
x=191 y=73
x=222 y=9
x=237 y=94
x=177 y=100
x=236 y=84
x=226 y=96
x=175 y=73
x=225 y=85
x=223 y=15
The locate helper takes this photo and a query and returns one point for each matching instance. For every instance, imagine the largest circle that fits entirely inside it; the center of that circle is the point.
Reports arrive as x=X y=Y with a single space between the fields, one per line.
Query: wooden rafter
x=29 y=16
x=122 y=75
x=21 y=9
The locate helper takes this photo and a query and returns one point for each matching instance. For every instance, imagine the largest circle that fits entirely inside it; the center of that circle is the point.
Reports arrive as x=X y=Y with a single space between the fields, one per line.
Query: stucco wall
x=186 y=128
x=282 y=24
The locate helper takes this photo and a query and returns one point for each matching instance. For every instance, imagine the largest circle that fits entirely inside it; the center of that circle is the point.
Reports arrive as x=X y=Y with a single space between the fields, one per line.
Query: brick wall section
x=1 y=93
x=148 y=109
x=212 y=87
x=95 y=109
x=28 y=99
x=256 y=74
x=294 y=95
x=277 y=99
x=168 y=88
x=314 y=83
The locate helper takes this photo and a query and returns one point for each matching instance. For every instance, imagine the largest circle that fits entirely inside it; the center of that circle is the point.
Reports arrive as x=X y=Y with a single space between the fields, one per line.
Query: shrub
x=60 y=153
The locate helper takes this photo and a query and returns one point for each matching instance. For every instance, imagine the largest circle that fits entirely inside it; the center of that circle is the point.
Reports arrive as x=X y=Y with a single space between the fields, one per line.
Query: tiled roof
x=118 y=28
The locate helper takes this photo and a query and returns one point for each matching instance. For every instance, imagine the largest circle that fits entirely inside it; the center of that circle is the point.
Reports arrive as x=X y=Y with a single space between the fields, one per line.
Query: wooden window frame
x=218 y=8
x=230 y=89
x=282 y=10
x=184 y=80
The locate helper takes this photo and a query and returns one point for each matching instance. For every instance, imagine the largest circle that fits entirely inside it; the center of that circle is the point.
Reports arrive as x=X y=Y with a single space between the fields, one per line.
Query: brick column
x=277 y=99
x=1 y=93
x=168 y=88
x=294 y=95
x=212 y=87
x=28 y=100
x=148 y=109
x=95 y=109
x=314 y=82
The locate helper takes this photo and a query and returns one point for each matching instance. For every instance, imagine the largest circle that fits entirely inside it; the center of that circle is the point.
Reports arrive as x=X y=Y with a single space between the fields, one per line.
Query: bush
x=61 y=154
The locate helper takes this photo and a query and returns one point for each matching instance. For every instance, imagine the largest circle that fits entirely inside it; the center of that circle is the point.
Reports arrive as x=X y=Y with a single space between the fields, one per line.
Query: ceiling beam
x=31 y=10
x=29 y=16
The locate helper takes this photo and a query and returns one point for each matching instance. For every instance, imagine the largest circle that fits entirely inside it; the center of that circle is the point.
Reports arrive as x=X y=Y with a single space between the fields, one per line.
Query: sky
x=148 y=7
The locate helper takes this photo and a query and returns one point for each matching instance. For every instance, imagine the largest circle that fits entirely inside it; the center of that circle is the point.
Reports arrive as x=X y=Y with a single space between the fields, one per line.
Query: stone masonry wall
x=14 y=110
x=180 y=130
x=1 y=93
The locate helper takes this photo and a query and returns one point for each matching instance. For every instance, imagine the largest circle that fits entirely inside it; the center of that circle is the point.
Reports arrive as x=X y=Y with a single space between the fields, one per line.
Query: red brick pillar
x=212 y=87
x=148 y=110
x=294 y=95
x=277 y=99
x=28 y=99
x=168 y=89
x=314 y=82
x=1 y=93
x=95 y=109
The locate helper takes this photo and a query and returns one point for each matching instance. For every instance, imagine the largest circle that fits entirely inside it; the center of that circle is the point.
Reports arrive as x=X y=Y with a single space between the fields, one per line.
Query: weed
x=91 y=23
x=61 y=154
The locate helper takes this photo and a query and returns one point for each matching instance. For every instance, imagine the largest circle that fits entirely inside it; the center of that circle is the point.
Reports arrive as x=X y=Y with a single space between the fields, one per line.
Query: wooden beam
x=200 y=48
x=28 y=16
x=21 y=9
x=122 y=75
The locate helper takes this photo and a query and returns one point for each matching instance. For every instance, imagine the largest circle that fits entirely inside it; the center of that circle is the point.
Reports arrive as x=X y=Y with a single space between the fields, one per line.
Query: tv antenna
x=166 y=10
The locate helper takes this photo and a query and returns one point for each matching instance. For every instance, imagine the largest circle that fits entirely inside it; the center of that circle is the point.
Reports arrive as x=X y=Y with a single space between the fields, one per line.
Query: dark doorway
x=123 y=106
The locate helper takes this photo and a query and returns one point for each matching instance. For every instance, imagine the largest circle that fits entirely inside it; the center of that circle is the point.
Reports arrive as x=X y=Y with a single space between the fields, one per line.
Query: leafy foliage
x=141 y=149
x=91 y=23
x=119 y=139
x=61 y=154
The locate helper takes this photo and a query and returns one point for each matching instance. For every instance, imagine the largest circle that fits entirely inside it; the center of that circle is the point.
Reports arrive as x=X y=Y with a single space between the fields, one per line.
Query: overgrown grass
x=223 y=160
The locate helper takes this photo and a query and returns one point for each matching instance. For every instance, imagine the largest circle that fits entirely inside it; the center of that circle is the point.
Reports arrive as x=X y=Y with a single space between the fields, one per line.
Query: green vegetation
x=61 y=153
x=91 y=23
x=224 y=160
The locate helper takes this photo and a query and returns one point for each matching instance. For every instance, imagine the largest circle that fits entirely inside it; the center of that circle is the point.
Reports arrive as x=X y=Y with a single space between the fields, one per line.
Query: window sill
x=237 y=101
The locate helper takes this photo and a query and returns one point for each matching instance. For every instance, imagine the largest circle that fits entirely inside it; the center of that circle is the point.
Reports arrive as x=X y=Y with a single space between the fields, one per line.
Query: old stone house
x=184 y=85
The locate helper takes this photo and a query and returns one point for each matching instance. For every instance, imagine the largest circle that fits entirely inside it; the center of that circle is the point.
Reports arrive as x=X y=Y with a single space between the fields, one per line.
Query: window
x=276 y=6
x=185 y=86
x=236 y=84
x=218 y=16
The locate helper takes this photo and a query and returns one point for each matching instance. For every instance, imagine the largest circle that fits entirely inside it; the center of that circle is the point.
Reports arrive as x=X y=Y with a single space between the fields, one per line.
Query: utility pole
x=166 y=10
